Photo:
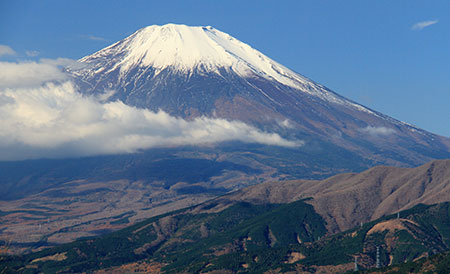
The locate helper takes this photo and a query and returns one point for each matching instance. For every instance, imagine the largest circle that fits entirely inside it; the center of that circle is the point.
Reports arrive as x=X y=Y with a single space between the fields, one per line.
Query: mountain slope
x=439 y=264
x=368 y=195
x=200 y=71
x=88 y=207
x=249 y=239
x=280 y=226
x=48 y=202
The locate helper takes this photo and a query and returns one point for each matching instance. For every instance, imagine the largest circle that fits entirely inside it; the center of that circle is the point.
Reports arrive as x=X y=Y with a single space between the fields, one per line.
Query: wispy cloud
x=377 y=131
x=423 y=24
x=93 y=37
x=32 y=53
x=62 y=62
x=46 y=116
x=6 y=50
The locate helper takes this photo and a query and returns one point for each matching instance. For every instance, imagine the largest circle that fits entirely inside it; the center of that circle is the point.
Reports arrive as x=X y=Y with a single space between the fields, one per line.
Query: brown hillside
x=345 y=200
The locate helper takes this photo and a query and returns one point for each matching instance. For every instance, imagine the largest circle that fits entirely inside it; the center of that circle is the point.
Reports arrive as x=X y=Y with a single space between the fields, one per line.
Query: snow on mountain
x=188 y=49
x=192 y=72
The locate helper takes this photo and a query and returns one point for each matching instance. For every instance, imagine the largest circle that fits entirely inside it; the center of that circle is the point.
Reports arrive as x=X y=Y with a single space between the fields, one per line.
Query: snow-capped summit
x=184 y=48
x=187 y=50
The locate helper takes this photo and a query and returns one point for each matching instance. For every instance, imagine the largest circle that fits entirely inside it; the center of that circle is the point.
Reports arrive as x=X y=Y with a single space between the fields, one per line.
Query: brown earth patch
x=56 y=257
x=332 y=269
x=294 y=257
x=226 y=249
x=137 y=267
x=390 y=225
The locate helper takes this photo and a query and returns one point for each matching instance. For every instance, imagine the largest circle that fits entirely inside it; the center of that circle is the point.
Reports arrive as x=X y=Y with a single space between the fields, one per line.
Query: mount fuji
x=190 y=72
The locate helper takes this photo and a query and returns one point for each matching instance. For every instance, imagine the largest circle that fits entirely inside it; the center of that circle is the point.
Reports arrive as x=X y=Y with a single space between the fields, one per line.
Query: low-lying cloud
x=377 y=131
x=43 y=115
x=28 y=74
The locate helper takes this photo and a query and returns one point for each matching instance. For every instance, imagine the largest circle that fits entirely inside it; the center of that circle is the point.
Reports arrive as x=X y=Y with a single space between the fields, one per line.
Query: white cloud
x=93 y=38
x=32 y=53
x=286 y=123
x=28 y=74
x=32 y=74
x=6 y=50
x=423 y=24
x=52 y=119
x=377 y=131
x=62 y=62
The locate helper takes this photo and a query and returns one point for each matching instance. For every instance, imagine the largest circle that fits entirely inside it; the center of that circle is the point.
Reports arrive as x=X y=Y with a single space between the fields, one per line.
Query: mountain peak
x=186 y=49
x=179 y=46
x=192 y=62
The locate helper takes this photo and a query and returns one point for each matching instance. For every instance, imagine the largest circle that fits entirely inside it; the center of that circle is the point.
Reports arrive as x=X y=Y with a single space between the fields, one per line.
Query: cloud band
x=43 y=115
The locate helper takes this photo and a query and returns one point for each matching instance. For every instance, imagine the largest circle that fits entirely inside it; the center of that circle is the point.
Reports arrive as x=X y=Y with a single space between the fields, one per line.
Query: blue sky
x=369 y=51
